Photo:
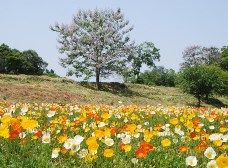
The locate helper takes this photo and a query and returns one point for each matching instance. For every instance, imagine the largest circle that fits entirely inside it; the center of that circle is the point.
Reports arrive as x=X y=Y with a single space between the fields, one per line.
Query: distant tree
x=50 y=73
x=224 y=59
x=201 y=80
x=5 y=52
x=14 y=61
x=147 y=53
x=211 y=55
x=159 y=76
x=192 y=56
x=197 y=55
x=33 y=63
x=96 y=43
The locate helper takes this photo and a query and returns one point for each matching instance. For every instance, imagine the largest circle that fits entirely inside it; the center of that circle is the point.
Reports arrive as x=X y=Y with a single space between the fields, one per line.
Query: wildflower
x=99 y=133
x=101 y=124
x=29 y=124
x=109 y=141
x=173 y=121
x=93 y=148
x=211 y=127
x=6 y=120
x=78 y=139
x=22 y=135
x=113 y=130
x=16 y=124
x=68 y=143
x=46 y=138
x=62 y=138
x=175 y=141
x=90 y=140
x=191 y=161
x=126 y=139
x=212 y=164
x=64 y=150
x=51 y=114
x=4 y=131
x=217 y=142
x=134 y=160
x=108 y=153
x=146 y=146
x=166 y=142
x=222 y=161
x=127 y=148
x=14 y=134
x=75 y=147
x=105 y=115
x=141 y=153
x=183 y=149
x=22 y=141
x=222 y=129
x=210 y=153
x=55 y=154
x=83 y=153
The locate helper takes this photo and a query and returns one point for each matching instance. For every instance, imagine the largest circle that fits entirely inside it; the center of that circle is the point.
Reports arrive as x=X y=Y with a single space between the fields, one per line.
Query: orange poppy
x=146 y=146
x=141 y=153
x=183 y=149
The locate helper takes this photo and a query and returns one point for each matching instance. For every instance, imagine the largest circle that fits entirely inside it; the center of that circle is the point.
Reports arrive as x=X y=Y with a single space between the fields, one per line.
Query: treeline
x=204 y=72
x=13 y=61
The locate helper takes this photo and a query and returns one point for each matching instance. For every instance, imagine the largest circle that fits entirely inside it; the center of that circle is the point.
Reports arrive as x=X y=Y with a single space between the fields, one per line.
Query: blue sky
x=171 y=25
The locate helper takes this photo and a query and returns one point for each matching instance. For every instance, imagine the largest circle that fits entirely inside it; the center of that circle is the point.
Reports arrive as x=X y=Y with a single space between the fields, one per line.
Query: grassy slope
x=22 y=88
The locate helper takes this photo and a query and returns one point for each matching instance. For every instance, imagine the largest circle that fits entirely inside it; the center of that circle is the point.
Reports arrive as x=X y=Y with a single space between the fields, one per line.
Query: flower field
x=69 y=135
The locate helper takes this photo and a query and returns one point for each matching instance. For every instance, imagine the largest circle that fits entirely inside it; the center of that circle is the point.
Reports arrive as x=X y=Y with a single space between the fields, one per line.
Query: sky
x=172 y=25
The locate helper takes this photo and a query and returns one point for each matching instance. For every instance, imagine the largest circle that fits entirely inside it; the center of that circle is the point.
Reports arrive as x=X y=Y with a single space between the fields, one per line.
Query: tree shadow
x=215 y=102
x=210 y=101
x=112 y=87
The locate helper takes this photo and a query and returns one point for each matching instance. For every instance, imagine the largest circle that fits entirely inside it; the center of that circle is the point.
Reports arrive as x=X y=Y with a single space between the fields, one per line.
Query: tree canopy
x=13 y=61
x=224 y=59
x=96 y=43
x=198 y=55
x=202 y=80
x=147 y=54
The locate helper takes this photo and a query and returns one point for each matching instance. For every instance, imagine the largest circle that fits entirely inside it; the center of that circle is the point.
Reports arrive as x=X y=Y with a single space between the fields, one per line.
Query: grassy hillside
x=22 y=88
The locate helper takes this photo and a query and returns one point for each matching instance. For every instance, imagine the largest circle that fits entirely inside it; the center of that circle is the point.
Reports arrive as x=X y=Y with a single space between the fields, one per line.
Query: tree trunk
x=199 y=100
x=98 y=78
x=207 y=96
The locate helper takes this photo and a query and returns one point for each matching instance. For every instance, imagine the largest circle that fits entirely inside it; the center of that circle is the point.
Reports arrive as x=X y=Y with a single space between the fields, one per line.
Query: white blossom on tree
x=96 y=43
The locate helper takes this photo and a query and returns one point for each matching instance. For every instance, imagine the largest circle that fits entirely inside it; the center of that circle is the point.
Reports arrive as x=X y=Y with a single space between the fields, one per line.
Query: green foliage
x=147 y=53
x=224 y=59
x=5 y=53
x=201 y=80
x=33 y=64
x=159 y=76
x=51 y=73
x=12 y=61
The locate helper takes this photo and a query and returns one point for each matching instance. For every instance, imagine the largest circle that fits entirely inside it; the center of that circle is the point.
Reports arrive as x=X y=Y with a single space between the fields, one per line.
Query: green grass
x=23 y=88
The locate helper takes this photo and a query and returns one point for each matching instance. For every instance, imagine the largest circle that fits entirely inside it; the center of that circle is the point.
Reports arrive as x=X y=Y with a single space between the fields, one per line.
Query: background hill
x=28 y=89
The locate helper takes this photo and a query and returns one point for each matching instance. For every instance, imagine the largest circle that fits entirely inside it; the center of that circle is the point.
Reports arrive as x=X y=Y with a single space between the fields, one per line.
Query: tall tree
x=147 y=53
x=96 y=43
